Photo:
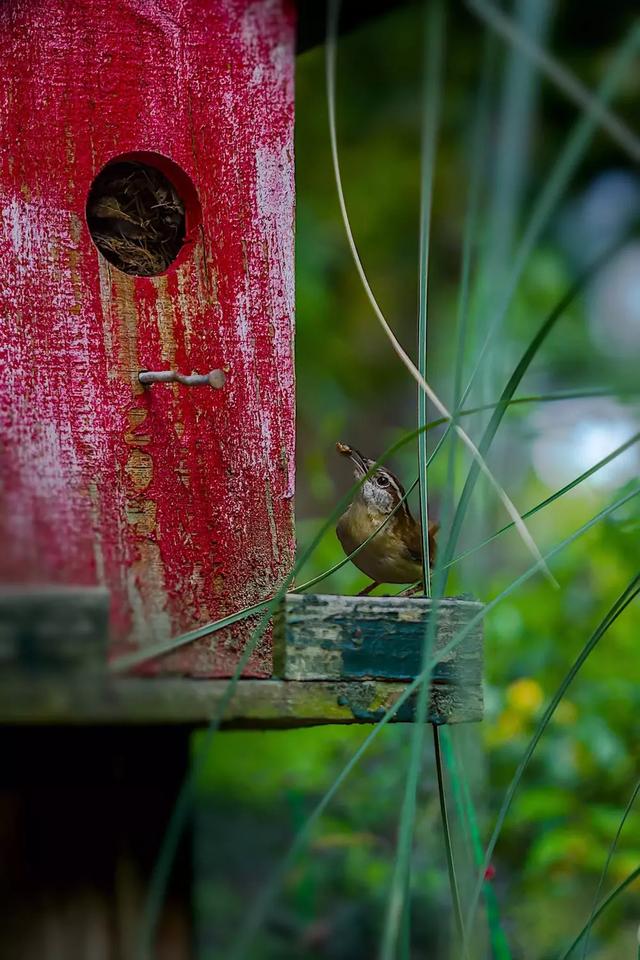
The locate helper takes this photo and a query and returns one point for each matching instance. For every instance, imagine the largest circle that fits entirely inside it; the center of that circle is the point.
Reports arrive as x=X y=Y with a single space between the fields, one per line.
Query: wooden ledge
x=260 y=704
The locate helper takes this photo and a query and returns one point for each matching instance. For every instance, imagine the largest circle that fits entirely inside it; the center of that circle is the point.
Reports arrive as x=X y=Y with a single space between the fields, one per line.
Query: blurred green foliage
x=259 y=787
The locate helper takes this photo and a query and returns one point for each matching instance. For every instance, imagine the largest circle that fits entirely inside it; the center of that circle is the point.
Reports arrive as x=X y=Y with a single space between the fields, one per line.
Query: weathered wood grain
x=60 y=628
x=28 y=700
x=328 y=637
x=178 y=500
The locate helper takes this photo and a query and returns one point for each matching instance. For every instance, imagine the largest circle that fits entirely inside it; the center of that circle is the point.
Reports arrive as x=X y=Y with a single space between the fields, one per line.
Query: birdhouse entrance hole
x=140 y=210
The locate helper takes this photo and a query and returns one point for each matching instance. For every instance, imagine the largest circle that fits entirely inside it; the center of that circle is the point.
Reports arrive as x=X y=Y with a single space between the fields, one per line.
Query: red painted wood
x=179 y=500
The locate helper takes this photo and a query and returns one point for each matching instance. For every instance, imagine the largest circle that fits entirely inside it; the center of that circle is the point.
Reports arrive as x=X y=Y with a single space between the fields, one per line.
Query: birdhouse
x=147 y=390
x=147 y=404
x=147 y=306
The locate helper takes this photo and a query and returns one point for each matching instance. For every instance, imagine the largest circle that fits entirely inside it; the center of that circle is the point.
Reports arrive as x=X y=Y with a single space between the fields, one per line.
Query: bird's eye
x=382 y=481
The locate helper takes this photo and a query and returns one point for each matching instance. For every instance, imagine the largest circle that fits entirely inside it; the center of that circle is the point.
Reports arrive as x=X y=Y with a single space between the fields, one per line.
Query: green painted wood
x=329 y=637
x=93 y=699
x=53 y=628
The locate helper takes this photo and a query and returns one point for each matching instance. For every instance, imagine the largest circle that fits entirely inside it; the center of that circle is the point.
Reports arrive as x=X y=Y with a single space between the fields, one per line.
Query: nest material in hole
x=136 y=218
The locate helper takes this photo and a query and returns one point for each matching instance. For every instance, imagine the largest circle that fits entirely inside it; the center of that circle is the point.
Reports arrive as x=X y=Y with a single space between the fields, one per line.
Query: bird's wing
x=412 y=541
x=433 y=529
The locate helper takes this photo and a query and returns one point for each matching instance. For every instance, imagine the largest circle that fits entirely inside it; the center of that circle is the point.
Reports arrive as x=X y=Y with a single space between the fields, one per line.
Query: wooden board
x=179 y=500
x=329 y=637
x=28 y=700
x=56 y=629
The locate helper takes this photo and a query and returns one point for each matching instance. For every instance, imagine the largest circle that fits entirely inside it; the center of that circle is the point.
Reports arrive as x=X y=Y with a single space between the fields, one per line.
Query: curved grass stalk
x=130 y=660
x=605 y=869
x=622 y=602
x=603 y=906
x=258 y=912
x=589 y=104
x=395 y=343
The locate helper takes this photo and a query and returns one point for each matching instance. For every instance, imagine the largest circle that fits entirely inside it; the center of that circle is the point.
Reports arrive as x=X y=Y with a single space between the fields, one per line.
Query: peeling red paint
x=179 y=500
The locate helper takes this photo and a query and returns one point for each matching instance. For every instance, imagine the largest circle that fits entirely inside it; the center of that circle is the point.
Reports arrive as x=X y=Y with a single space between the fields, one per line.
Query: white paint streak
x=23 y=227
x=275 y=205
x=43 y=452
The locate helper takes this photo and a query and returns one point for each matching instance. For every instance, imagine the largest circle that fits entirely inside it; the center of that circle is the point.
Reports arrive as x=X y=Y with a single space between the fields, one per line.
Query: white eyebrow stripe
x=399 y=489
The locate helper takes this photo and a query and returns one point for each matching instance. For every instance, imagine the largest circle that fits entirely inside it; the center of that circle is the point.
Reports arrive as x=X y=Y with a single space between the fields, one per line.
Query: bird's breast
x=385 y=557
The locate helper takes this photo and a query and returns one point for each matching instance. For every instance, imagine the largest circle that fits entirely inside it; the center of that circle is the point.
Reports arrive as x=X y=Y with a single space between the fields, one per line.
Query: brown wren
x=394 y=554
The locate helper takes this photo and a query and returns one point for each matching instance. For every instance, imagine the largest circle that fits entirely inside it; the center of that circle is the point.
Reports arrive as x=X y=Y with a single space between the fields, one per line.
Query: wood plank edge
x=32 y=701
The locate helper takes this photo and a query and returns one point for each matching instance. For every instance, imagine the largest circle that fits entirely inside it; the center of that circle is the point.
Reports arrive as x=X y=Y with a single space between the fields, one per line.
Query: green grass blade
x=458 y=783
x=602 y=907
x=622 y=602
x=605 y=869
x=467 y=815
x=479 y=137
x=513 y=129
x=622 y=135
x=553 y=497
x=404 y=951
x=446 y=830
x=433 y=54
x=129 y=660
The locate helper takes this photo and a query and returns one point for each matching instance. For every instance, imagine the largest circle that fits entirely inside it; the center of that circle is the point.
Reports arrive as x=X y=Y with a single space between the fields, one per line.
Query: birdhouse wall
x=178 y=499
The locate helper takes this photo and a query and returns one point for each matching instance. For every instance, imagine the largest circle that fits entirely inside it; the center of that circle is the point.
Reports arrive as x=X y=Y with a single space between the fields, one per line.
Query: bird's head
x=381 y=491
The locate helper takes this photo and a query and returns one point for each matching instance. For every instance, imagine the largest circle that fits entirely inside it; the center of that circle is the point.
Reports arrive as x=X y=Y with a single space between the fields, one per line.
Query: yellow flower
x=525 y=695
x=508 y=725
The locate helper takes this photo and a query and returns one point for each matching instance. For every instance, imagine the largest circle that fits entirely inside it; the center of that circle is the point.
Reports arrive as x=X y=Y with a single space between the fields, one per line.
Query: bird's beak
x=361 y=463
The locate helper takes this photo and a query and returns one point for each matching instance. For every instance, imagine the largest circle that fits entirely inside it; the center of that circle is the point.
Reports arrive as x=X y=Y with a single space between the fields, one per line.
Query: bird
x=394 y=554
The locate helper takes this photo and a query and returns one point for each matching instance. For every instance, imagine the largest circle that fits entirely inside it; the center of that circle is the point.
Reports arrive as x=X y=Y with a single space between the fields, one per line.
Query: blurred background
x=260 y=787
